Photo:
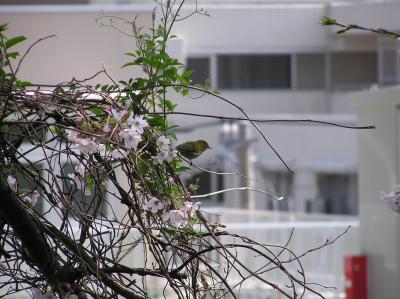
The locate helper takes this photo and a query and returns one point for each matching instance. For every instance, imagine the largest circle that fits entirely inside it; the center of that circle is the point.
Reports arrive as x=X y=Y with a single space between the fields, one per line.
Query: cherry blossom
x=118 y=114
x=138 y=123
x=189 y=208
x=88 y=146
x=175 y=217
x=106 y=128
x=12 y=182
x=119 y=154
x=72 y=135
x=171 y=155
x=153 y=205
x=161 y=156
x=163 y=143
x=35 y=195
x=131 y=138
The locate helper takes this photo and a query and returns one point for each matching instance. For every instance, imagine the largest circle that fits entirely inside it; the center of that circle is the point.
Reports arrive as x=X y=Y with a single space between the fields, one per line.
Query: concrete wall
x=368 y=13
x=81 y=47
x=379 y=170
x=255 y=27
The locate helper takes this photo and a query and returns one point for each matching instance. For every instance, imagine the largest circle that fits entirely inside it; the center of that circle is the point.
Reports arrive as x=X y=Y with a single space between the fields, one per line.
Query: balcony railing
x=302 y=233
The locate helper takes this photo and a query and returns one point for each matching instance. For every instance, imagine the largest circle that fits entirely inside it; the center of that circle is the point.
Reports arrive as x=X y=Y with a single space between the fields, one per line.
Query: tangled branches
x=91 y=202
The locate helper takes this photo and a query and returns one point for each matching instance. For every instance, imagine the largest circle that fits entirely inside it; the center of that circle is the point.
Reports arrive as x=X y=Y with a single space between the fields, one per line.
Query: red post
x=356 y=277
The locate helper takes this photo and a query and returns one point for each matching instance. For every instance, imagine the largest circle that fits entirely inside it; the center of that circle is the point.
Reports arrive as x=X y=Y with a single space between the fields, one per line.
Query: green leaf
x=22 y=84
x=97 y=111
x=128 y=64
x=13 y=55
x=3 y=27
x=326 y=21
x=342 y=31
x=170 y=105
x=13 y=41
x=185 y=92
x=187 y=73
x=170 y=72
x=131 y=54
x=59 y=89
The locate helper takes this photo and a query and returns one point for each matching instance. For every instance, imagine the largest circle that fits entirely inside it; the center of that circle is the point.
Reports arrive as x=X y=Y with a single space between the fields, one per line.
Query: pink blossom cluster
x=165 y=152
x=177 y=217
x=132 y=135
x=130 y=130
x=84 y=145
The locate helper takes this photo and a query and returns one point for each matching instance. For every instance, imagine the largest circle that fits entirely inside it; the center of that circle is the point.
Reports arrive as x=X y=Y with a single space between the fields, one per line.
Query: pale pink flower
x=35 y=195
x=12 y=182
x=26 y=198
x=106 y=128
x=119 y=154
x=163 y=143
x=189 y=208
x=171 y=154
x=131 y=138
x=175 y=217
x=153 y=205
x=161 y=156
x=72 y=135
x=118 y=114
x=87 y=146
x=138 y=123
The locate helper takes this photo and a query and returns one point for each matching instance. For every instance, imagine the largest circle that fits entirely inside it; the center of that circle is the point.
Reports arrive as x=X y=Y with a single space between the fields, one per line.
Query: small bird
x=192 y=149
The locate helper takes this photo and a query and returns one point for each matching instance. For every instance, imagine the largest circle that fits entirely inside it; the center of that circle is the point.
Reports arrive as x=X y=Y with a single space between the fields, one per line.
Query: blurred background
x=275 y=60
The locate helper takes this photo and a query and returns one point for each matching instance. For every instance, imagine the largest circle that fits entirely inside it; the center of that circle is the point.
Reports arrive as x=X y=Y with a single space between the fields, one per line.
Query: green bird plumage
x=192 y=149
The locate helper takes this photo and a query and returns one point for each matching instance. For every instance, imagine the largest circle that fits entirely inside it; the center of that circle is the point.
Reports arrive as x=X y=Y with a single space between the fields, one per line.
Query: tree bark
x=26 y=228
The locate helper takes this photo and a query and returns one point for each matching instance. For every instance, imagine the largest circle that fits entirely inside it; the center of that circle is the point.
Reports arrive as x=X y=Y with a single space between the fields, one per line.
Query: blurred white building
x=276 y=61
x=273 y=59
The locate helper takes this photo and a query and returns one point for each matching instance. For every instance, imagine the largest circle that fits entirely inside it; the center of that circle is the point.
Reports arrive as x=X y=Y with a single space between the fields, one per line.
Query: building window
x=253 y=71
x=310 y=71
x=279 y=183
x=389 y=61
x=200 y=67
x=338 y=193
x=353 y=70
